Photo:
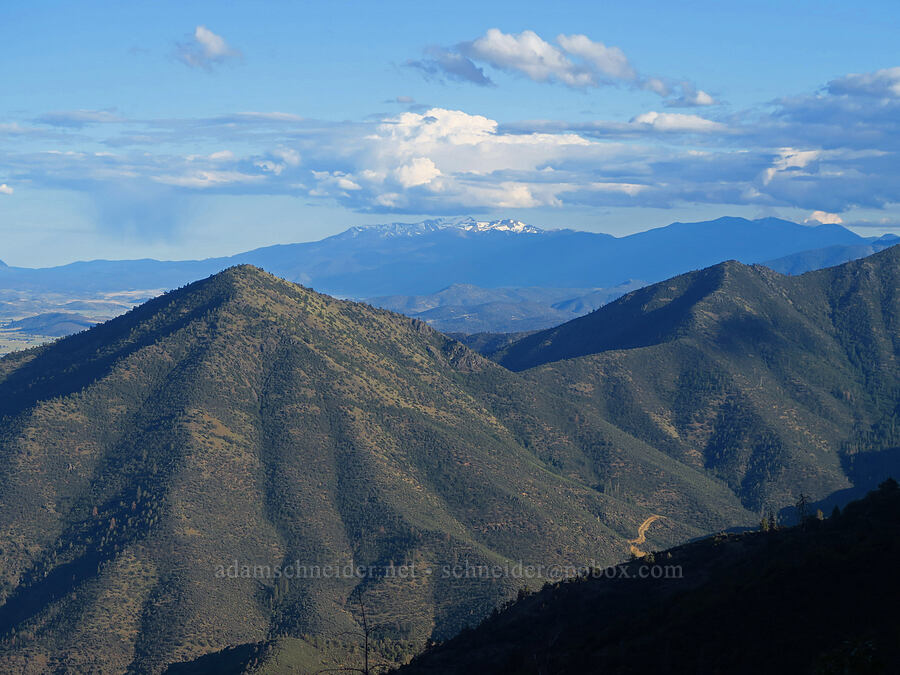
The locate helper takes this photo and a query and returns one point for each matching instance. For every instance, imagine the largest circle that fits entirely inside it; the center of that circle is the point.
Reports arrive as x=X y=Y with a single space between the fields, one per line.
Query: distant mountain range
x=424 y=258
x=53 y=324
x=465 y=308
x=245 y=419
x=503 y=275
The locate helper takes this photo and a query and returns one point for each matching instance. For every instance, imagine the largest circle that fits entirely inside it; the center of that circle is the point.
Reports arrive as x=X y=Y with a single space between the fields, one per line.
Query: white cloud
x=214 y=46
x=5 y=189
x=513 y=195
x=691 y=97
x=438 y=125
x=610 y=61
x=331 y=182
x=626 y=188
x=420 y=171
x=824 y=218
x=529 y=54
x=575 y=60
x=824 y=151
x=288 y=156
x=389 y=199
x=700 y=97
x=677 y=122
x=206 y=50
x=455 y=142
x=790 y=159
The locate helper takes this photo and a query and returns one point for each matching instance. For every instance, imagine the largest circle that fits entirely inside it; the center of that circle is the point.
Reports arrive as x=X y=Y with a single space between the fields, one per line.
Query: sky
x=175 y=130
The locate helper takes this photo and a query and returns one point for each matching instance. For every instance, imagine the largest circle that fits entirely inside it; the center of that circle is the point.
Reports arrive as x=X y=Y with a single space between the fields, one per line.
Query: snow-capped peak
x=507 y=225
x=427 y=226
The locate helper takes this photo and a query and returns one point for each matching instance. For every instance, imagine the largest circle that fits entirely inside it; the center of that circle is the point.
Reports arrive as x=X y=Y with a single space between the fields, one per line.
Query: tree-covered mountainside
x=817 y=598
x=244 y=420
x=773 y=384
x=246 y=423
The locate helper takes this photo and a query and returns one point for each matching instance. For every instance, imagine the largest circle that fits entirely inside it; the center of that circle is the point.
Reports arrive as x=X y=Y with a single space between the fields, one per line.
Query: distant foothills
x=459 y=275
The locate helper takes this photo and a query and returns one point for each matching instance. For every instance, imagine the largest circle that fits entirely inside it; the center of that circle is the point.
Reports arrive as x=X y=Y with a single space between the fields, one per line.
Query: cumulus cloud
x=826 y=152
x=530 y=55
x=440 y=159
x=824 y=218
x=610 y=61
x=418 y=171
x=5 y=189
x=205 y=49
x=575 y=61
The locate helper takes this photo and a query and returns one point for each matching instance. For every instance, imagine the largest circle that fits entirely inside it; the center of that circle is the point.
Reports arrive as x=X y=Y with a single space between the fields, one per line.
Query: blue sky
x=163 y=129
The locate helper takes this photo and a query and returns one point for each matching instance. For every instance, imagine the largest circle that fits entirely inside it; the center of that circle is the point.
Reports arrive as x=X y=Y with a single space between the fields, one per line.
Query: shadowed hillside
x=811 y=599
x=772 y=383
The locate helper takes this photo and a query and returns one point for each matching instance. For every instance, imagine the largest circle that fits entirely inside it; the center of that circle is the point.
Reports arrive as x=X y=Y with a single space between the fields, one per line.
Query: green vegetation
x=247 y=422
x=773 y=384
x=244 y=418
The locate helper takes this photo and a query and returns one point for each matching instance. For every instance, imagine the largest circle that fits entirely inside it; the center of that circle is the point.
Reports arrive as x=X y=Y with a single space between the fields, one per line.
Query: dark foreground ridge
x=816 y=598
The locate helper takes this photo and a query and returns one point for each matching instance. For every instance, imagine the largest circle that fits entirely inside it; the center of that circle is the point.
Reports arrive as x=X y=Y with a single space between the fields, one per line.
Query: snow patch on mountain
x=466 y=224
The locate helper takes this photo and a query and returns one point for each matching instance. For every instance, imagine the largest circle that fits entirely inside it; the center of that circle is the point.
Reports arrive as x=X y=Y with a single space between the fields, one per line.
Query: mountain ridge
x=245 y=418
x=423 y=258
x=279 y=258
x=741 y=370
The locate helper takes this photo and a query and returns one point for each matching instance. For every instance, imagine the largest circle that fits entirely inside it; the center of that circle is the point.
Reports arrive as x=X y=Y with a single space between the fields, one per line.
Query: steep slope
x=247 y=421
x=774 y=384
x=812 y=599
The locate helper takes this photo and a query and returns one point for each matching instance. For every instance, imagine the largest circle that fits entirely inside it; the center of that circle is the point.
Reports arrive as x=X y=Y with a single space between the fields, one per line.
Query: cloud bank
x=826 y=152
